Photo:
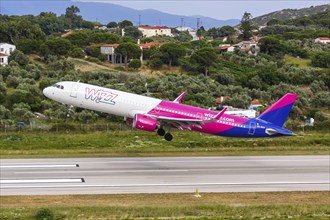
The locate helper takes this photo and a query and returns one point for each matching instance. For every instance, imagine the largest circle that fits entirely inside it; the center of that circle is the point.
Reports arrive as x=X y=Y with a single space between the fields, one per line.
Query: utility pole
x=181 y=24
x=198 y=21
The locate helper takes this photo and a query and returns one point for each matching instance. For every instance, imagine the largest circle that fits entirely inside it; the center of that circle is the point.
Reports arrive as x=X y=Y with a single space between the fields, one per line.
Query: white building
x=246 y=113
x=7 y=48
x=3 y=59
x=149 y=31
x=109 y=50
x=5 y=51
x=191 y=31
x=323 y=40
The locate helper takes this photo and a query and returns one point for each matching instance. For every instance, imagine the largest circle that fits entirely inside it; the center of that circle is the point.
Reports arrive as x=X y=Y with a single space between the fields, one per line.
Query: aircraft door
x=74 y=90
x=252 y=129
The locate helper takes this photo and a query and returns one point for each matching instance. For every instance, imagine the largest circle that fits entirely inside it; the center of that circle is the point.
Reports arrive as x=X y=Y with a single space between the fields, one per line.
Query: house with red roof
x=67 y=34
x=3 y=59
x=323 y=40
x=251 y=47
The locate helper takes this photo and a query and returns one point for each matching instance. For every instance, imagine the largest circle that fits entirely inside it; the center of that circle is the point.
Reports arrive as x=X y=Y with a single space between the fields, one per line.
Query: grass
x=270 y=205
x=84 y=65
x=140 y=143
x=299 y=62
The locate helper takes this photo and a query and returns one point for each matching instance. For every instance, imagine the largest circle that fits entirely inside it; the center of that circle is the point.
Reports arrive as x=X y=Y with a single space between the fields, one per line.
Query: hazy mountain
x=287 y=14
x=106 y=12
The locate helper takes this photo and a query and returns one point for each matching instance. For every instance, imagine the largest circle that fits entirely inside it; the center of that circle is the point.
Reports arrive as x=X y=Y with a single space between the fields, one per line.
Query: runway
x=164 y=175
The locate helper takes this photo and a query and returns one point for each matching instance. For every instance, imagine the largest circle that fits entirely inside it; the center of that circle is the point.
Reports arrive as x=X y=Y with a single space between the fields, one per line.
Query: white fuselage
x=108 y=100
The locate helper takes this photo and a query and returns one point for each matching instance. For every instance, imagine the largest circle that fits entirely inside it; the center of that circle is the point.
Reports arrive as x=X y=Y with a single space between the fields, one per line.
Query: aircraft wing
x=182 y=123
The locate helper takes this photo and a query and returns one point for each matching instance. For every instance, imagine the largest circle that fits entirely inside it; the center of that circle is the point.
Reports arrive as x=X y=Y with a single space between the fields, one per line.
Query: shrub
x=135 y=64
x=156 y=63
x=45 y=214
x=321 y=60
x=77 y=53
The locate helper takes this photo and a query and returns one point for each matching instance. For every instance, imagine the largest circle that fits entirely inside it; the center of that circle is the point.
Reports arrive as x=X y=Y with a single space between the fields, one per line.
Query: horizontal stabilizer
x=271 y=131
x=218 y=116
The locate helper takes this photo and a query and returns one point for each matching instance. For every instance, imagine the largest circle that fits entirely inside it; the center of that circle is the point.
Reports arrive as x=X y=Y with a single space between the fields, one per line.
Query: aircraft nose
x=47 y=92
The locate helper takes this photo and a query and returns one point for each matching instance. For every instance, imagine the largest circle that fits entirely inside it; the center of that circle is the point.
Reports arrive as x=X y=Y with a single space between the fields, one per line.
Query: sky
x=219 y=9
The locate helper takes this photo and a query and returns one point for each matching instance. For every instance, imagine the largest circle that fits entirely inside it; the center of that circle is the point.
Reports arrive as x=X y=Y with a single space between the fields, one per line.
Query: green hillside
x=288 y=14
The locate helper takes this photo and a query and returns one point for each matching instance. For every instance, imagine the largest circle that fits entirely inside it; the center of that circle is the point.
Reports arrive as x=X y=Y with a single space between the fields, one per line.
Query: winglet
x=217 y=117
x=180 y=97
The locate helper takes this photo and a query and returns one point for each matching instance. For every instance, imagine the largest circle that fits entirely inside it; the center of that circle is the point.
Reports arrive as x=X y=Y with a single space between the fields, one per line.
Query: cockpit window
x=58 y=86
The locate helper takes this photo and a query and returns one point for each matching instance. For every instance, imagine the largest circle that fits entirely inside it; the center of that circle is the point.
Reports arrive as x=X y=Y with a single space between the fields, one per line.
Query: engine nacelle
x=144 y=122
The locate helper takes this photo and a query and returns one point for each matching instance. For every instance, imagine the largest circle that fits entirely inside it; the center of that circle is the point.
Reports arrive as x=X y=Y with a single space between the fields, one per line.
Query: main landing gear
x=167 y=136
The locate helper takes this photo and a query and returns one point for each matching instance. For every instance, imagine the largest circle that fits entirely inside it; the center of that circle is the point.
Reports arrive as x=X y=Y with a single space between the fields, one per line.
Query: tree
x=201 y=32
x=303 y=21
x=271 y=45
x=271 y=75
x=213 y=32
x=13 y=31
x=156 y=63
x=86 y=116
x=4 y=113
x=72 y=20
x=226 y=31
x=184 y=36
x=58 y=46
x=112 y=24
x=125 y=23
x=274 y=21
x=87 y=24
x=79 y=39
x=50 y=23
x=101 y=37
x=238 y=101
x=132 y=32
x=172 y=52
x=204 y=57
x=129 y=51
x=151 y=53
x=135 y=64
x=22 y=111
x=29 y=46
x=77 y=53
x=321 y=59
x=246 y=26
x=19 y=57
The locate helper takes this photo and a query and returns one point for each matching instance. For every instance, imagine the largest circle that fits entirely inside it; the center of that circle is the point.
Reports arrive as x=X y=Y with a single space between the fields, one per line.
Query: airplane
x=156 y=115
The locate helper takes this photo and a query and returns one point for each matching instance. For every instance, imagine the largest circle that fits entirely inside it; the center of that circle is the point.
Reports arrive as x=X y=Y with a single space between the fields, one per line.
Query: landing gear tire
x=161 y=132
x=168 y=137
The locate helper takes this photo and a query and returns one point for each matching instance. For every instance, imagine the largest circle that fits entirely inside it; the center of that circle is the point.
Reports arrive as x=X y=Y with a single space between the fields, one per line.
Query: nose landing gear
x=68 y=114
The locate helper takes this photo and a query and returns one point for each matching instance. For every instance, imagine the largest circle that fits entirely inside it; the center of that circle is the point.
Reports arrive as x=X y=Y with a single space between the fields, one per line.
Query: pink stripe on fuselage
x=177 y=110
x=284 y=101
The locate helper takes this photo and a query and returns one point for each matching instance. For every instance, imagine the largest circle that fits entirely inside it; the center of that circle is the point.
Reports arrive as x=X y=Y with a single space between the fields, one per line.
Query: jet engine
x=144 y=122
